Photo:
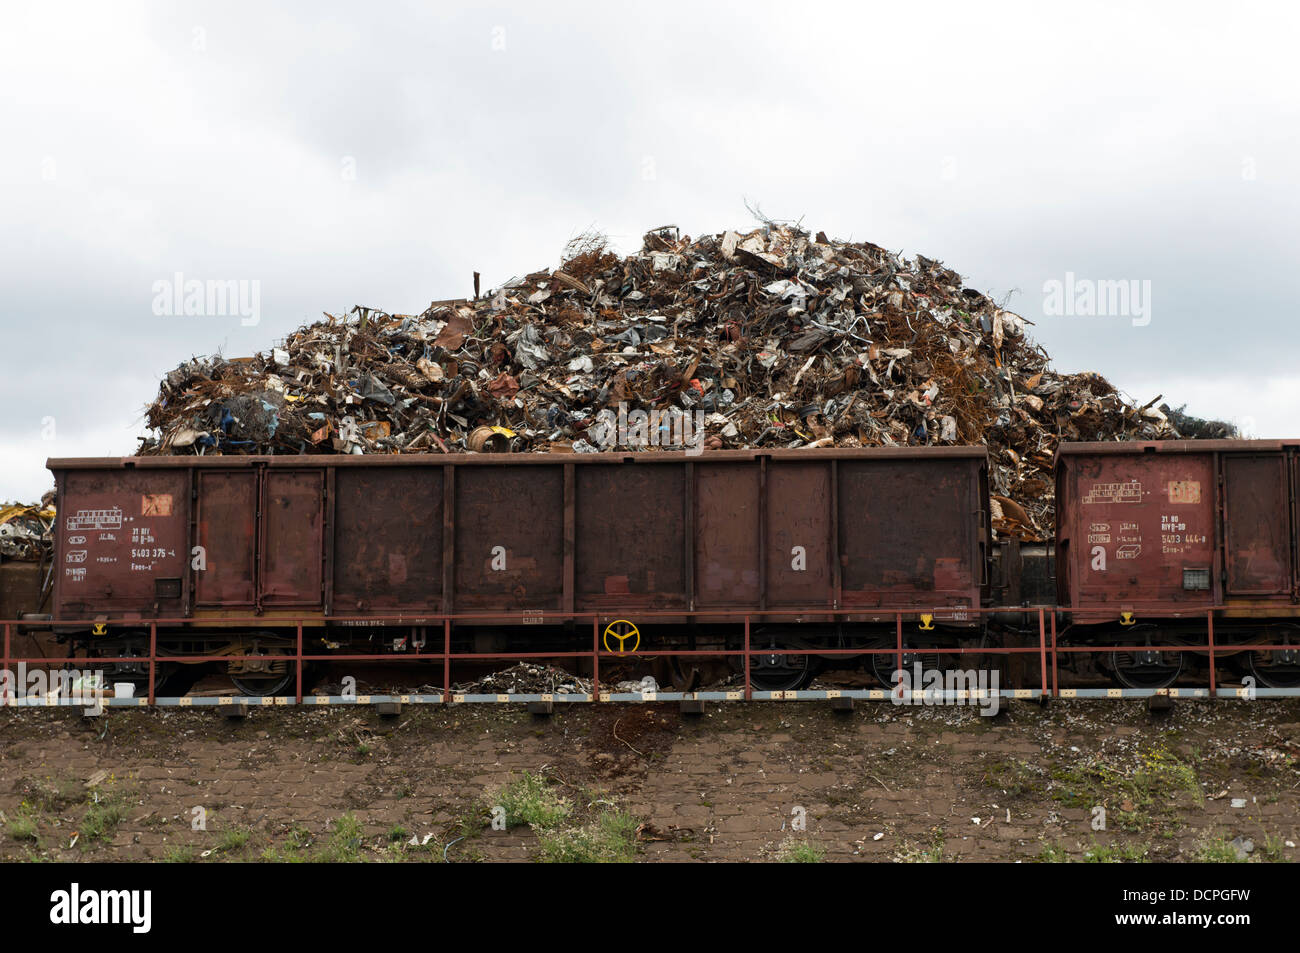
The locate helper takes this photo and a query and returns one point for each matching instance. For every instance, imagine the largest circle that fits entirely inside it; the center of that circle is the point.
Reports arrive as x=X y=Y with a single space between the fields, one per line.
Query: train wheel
x=780 y=673
x=260 y=679
x=260 y=686
x=884 y=666
x=136 y=673
x=1276 y=669
x=1149 y=668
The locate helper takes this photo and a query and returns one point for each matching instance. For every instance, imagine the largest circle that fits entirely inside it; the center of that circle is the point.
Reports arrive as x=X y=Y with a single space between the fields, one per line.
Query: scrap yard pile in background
x=26 y=531
x=774 y=338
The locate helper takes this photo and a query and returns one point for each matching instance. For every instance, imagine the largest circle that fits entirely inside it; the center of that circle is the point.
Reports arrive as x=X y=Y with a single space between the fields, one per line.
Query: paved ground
x=743 y=782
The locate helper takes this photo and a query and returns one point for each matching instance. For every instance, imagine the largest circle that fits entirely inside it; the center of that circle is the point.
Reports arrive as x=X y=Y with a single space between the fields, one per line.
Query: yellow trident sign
x=620 y=630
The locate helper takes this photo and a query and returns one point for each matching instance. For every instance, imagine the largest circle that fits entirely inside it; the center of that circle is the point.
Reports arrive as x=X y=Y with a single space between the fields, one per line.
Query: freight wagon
x=1156 y=540
x=522 y=552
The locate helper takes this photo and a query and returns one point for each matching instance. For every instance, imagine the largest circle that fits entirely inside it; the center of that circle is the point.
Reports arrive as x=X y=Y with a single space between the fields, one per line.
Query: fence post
x=153 y=659
x=446 y=661
x=1209 y=616
x=1055 y=692
x=898 y=633
x=749 y=689
x=595 y=658
x=1042 y=649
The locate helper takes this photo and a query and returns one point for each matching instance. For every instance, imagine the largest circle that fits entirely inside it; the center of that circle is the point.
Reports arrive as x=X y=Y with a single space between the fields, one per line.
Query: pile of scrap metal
x=528 y=678
x=26 y=530
x=770 y=338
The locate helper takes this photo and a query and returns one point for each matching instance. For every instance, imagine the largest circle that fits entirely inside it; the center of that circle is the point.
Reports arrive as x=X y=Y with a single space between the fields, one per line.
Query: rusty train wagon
x=521 y=551
x=1154 y=538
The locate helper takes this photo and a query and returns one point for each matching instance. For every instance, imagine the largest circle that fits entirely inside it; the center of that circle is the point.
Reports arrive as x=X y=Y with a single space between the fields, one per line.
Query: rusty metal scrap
x=773 y=338
x=27 y=531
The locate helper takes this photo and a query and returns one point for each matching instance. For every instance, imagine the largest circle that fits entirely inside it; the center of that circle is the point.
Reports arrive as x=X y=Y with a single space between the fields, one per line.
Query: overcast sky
x=378 y=154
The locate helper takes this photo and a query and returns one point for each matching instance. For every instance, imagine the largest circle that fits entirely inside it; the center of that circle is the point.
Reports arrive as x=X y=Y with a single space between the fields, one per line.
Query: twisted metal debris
x=27 y=530
x=772 y=338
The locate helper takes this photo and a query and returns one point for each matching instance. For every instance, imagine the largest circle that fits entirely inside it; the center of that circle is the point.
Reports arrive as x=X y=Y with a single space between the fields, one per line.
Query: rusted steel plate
x=121 y=543
x=1295 y=524
x=227 y=531
x=290 y=570
x=1257 y=521
x=630 y=537
x=726 y=534
x=387 y=539
x=908 y=532
x=799 y=559
x=1194 y=447
x=509 y=537
x=520 y=460
x=1136 y=528
x=634 y=530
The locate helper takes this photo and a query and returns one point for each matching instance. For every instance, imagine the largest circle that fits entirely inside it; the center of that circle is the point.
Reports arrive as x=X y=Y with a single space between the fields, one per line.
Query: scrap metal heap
x=772 y=338
x=27 y=530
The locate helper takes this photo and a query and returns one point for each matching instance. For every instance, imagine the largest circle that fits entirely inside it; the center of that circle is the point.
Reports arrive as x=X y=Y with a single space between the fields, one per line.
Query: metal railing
x=1049 y=650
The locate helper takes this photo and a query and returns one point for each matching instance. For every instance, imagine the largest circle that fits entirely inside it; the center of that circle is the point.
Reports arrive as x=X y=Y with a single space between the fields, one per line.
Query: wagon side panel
x=292 y=536
x=630 y=537
x=388 y=539
x=227 y=532
x=1258 y=533
x=123 y=542
x=727 y=541
x=509 y=537
x=1141 y=531
x=800 y=560
x=909 y=532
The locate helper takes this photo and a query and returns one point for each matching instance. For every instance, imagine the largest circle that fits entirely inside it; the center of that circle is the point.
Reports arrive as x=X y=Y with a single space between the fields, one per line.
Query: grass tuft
x=529 y=799
x=609 y=839
x=800 y=852
x=1116 y=854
